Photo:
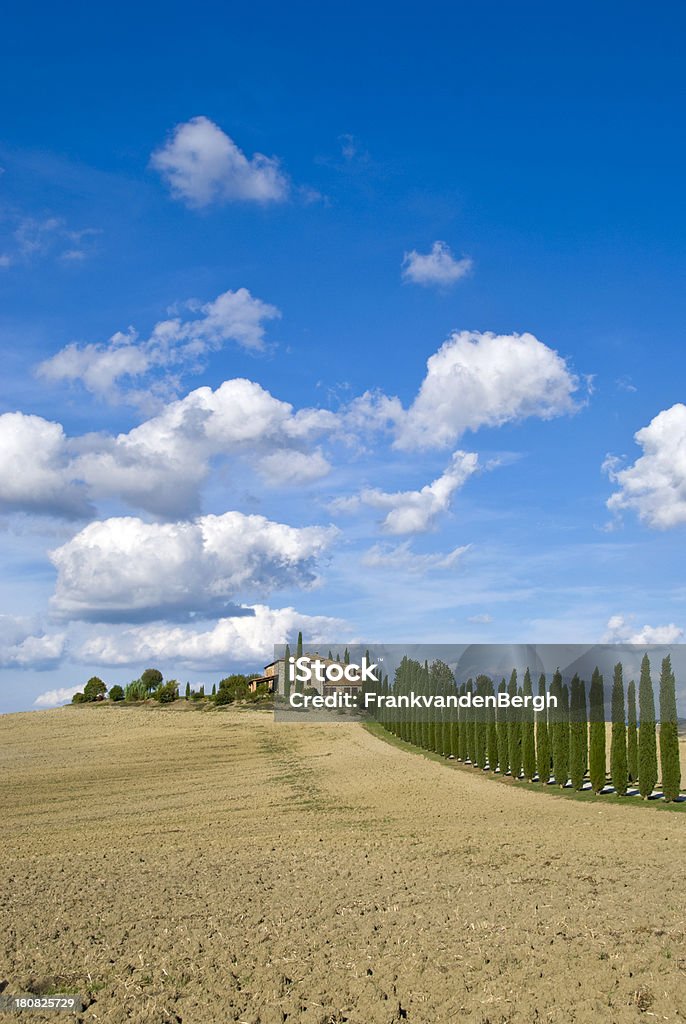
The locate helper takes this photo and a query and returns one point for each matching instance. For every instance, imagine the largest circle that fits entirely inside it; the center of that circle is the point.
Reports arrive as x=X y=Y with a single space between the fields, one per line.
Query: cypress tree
x=448 y=714
x=618 y=755
x=455 y=728
x=299 y=647
x=528 y=731
x=577 y=729
x=481 y=727
x=214 y=689
x=632 y=733
x=424 y=687
x=519 y=723
x=559 y=727
x=501 y=729
x=597 y=768
x=514 y=730
x=469 y=732
x=188 y=691
x=460 y=727
x=669 y=734
x=287 y=673
x=492 y=731
x=647 y=746
x=542 y=738
x=564 y=733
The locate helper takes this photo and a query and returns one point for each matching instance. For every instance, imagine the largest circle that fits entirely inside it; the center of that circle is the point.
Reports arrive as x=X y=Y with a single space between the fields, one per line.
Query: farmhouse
x=274 y=677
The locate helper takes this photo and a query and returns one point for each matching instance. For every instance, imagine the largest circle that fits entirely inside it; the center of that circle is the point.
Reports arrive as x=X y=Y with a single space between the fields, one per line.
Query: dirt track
x=211 y=867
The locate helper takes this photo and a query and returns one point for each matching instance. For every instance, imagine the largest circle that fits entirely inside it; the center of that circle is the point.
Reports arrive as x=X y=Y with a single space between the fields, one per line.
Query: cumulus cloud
x=53 y=698
x=619 y=630
x=415 y=511
x=482 y=619
x=34 y=468
x=174 y=345
x=285 y=467
x=249 y=637
x=123 y=569
x=485 y=380
x=160 y=465
x=402 y=558
x=203 y=165
x=436 y=268
x=22 y=647
x=655 y=485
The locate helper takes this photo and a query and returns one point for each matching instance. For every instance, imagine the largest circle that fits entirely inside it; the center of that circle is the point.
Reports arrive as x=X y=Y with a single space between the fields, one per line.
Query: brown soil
x=211 y=867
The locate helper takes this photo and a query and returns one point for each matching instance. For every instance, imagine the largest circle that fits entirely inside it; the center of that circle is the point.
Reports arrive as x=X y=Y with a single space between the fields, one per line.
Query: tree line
x=151 y=685
x=564 y=745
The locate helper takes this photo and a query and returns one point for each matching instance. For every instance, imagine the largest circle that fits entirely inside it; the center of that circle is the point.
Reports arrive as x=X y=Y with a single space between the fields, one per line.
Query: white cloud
x=619 y=630
x=203 y=165
x=485 y=380
x=401 y=558
x=249 y=637
x=160 y=465
x=415 y=511
x=438 y=267
x=174 y=344
x=50 y=237
x=22 y=647
x=34 y=467
x=53 y=698
x=483 y=618
x=655 y=485
x=286 y=466
x=373 y=412
x=123 y=569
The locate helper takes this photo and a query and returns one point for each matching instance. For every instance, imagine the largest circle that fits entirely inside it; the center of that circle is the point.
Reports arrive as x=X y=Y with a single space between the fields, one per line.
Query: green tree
x=542 y=738
x=151 y=679
x=632 y=733
x=669 y=733
x=618 y=756
x=502 y=731
x=528 y=731
x=116 y=692
x=597 y=765
x=647 y=745
x=79 y=698
x=299 y=646
x=214 y=689
x=577 y=733
x=514 y=738
x=287 y=673
x=470 y=745
x=188 y=691
x=94 y=689
x=559 y=727
x=168 y=692
x=492 y=731
x=481 y=724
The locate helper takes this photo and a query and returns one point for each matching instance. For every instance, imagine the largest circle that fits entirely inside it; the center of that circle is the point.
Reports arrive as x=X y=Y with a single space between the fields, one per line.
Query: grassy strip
x=535 y=787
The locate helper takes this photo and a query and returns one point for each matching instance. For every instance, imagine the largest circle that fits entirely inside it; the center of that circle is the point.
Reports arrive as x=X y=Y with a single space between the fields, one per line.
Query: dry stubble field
x=175 y=865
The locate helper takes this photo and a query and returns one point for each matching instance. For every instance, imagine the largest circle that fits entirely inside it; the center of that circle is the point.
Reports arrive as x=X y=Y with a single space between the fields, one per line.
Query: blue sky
x=500 y=184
